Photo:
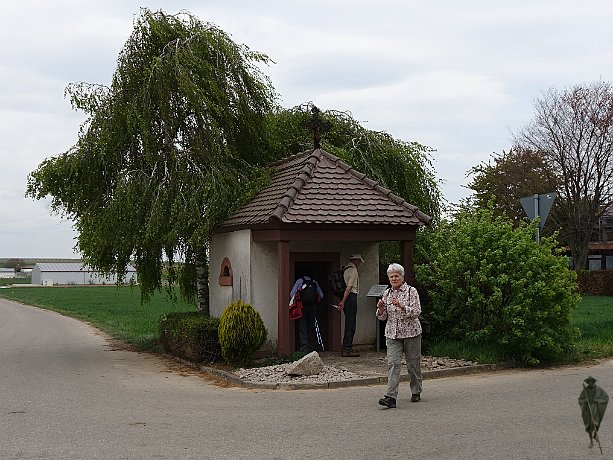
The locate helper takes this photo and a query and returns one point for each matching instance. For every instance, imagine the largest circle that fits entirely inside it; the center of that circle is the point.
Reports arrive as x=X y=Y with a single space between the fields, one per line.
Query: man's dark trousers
x=351 y=312
x=306 y=327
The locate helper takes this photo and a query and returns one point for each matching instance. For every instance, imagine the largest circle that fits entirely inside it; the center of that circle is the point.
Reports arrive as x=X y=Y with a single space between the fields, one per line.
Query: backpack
x=425 y=326
x=308 y=294
x=336 y=281
x=295 y=309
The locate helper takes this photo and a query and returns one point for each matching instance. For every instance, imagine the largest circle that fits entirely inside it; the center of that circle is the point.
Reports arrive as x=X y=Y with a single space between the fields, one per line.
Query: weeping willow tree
x=181 y=139
x=405 y=167
x=175 y=143
x=402 y=166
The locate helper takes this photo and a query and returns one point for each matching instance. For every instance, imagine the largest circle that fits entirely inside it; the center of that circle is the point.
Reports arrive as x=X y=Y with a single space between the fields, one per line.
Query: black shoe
x=415 y=398
x=388 y=402
x=348 y=353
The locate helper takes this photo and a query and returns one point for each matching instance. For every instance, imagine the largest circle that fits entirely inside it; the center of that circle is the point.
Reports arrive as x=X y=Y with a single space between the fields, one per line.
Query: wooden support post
x=406 y=256
x=283 y=288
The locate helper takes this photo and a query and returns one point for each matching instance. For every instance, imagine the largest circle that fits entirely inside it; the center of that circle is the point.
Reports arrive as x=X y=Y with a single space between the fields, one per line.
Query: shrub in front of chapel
x=241 y=333
x=191 y=336
x=489 y=283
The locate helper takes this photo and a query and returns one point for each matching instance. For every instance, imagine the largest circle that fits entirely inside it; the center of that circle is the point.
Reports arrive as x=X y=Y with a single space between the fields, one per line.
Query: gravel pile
x=277 y=373
x=431 y=363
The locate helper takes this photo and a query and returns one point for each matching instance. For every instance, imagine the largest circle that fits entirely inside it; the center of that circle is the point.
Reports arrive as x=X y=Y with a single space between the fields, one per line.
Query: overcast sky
x=458 y=76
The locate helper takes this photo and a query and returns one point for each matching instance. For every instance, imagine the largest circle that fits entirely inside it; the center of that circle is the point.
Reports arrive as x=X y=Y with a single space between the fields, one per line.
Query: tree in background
x=180 y=140
x=176 y=142
x=488 y=282
x=573 y=131
x=507 y=177
x=14 y=263
x=403 y=167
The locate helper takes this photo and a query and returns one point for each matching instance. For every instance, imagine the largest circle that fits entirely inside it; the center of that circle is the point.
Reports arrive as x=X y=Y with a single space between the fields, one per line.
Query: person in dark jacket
x=310 y=295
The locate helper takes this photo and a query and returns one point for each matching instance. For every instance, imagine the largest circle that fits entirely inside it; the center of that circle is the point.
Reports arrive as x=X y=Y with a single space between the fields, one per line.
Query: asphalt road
x=66 y=393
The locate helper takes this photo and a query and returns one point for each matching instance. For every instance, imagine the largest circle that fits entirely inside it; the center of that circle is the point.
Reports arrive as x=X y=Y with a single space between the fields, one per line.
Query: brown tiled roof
x=599 y=246
x=315 y=187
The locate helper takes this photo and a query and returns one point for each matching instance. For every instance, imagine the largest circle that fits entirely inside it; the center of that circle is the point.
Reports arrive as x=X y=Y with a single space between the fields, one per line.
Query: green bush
x=191 y=336
x=490 y=284
x=241 y=333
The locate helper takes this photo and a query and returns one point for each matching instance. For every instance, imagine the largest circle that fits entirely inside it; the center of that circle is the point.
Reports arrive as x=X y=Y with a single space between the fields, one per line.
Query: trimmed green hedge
x=595 y=282
x=191 y=336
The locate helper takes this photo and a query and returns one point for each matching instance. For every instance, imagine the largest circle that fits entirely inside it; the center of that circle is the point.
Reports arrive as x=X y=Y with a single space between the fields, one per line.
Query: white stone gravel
x=277 y=374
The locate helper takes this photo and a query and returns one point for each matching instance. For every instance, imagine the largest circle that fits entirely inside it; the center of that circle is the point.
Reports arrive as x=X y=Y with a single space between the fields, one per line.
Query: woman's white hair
x=395 y=268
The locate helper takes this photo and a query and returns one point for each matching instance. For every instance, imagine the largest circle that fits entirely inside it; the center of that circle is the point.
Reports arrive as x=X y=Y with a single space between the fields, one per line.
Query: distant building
x=7 y=273
x=600 y=247
x=75 y=273
x=601 y=251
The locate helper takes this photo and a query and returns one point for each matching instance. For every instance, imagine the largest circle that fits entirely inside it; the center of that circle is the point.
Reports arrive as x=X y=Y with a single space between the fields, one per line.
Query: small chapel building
x=315 y=213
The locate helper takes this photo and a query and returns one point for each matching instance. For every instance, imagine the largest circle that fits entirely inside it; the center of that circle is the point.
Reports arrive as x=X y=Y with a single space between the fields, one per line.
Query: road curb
x=232 y=379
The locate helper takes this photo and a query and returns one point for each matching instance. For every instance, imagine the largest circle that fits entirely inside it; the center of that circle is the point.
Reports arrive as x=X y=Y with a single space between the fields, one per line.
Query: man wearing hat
x=349 y=303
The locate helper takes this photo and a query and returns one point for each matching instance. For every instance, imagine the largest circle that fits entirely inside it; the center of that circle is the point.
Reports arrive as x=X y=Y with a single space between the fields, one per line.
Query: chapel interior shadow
x=326 y=321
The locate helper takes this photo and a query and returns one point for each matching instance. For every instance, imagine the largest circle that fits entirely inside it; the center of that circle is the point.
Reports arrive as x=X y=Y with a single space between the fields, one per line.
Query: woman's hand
x=397 y=303
x=395 y=300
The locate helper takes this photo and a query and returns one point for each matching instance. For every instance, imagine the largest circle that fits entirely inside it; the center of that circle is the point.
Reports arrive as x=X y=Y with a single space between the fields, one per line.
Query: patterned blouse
x=402 y=322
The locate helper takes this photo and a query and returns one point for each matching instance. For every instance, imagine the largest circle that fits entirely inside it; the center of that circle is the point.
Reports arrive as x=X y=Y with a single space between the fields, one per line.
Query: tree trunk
x=579 y=250
x=202 y=280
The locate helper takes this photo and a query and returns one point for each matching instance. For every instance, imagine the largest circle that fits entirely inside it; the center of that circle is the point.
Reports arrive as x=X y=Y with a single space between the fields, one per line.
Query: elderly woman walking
x=400 y=306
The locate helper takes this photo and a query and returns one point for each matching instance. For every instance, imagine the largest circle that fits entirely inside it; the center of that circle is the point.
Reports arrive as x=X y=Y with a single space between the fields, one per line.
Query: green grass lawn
x=9 y=281
x=117 y=311
x=594 y=318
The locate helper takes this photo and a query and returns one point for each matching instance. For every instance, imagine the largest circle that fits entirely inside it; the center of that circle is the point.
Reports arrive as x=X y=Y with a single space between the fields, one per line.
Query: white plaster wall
x=236 y=246
x=254 y=272
x=257 y=261
x=264 y=285
x=36 y=275
x=62 y=277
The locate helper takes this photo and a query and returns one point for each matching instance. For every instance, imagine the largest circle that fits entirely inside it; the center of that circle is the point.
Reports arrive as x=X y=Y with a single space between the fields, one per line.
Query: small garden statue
x=593 y=401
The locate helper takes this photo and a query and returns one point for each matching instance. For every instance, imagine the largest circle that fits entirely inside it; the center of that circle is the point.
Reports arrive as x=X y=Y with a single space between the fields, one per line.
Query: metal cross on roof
x=317 y=125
